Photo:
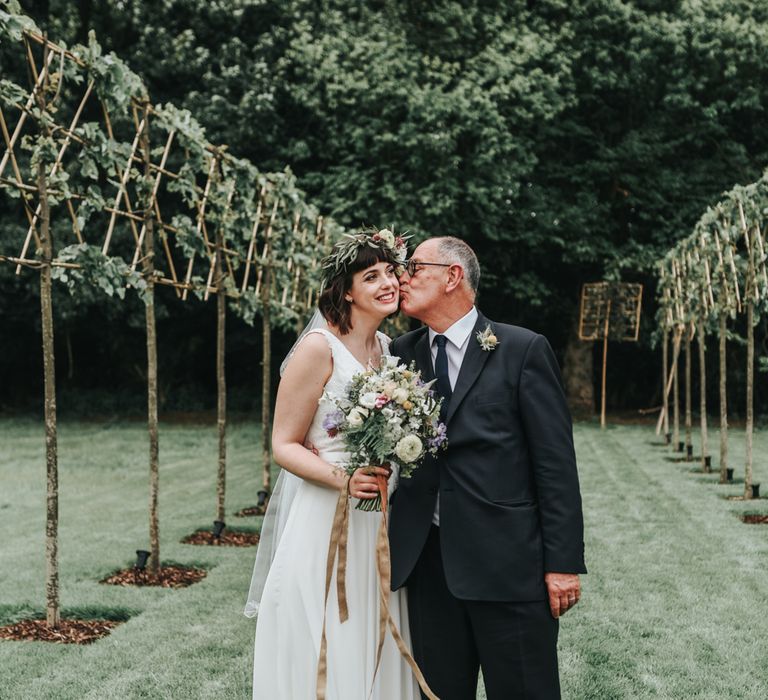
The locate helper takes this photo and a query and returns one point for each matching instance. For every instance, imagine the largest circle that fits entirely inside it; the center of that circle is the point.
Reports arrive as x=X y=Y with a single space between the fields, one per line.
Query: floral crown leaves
x=346 y=249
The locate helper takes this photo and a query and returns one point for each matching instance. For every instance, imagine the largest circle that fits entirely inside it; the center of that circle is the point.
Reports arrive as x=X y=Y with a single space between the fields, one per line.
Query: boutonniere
x=488 y=341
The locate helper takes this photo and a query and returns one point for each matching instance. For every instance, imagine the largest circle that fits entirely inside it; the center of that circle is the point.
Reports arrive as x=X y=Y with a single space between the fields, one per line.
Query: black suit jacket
x=510 y=507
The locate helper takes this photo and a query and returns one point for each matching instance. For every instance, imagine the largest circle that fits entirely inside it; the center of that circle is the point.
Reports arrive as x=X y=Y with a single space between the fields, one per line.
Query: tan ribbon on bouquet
x=384 y=566
x=338 y=544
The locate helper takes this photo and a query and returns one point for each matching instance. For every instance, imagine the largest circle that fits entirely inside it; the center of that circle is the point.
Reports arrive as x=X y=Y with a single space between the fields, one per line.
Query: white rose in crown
x=388 y=237
x=409 y=448
x=356 y=416
x=368 y=399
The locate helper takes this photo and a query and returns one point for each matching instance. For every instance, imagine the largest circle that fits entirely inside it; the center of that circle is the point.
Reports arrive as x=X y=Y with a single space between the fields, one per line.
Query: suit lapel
x=474 y=361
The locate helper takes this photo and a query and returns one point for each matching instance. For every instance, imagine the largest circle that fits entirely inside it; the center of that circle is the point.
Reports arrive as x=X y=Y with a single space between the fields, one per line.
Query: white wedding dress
x=290 y=613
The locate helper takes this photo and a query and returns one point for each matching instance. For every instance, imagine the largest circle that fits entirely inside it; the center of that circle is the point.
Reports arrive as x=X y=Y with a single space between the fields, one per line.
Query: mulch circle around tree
x=68 y=632
x=170 y=577
x=229 y=538
x=250 y=512
x=755 y=519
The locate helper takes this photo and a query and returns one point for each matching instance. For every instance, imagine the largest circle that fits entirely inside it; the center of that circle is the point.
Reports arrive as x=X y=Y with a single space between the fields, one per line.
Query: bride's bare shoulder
x=312 y=357
x=315 y=344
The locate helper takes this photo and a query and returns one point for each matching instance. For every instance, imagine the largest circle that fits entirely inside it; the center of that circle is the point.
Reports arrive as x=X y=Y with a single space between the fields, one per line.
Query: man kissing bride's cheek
x=456 y=438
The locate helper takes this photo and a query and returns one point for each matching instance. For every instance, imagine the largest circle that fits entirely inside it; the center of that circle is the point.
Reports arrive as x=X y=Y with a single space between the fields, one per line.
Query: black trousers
x=515 y=644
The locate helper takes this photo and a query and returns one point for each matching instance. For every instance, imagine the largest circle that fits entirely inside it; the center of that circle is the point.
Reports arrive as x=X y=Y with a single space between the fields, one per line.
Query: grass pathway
x=673 y=606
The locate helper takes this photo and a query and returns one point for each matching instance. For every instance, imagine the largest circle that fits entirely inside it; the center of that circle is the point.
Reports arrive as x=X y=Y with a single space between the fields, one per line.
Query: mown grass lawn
x=674 y=605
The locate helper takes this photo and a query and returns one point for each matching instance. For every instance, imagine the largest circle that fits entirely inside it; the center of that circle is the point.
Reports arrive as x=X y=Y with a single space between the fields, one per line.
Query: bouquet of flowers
x=388 y=415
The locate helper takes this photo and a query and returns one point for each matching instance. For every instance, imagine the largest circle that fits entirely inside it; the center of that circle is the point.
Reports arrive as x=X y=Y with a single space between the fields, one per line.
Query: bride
x=288 y=589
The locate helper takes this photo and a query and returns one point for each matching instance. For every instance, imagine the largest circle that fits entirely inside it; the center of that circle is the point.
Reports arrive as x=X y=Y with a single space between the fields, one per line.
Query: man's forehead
x=423 y=250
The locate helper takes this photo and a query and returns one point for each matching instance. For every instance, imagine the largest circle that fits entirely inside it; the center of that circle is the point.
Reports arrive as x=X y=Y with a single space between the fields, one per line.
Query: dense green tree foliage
x=566 y=140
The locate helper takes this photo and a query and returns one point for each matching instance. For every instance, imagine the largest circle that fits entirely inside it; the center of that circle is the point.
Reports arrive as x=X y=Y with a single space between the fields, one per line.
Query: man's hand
x=564 y=592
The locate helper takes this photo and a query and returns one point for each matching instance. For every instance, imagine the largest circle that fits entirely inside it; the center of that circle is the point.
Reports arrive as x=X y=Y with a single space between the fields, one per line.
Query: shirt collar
x=459 y=331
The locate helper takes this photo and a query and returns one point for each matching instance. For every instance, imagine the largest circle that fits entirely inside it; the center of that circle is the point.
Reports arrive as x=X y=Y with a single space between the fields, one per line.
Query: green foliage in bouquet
x=387 y=416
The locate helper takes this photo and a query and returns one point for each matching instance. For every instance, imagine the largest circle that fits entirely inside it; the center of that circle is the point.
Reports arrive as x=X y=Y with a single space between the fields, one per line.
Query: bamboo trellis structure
x=99 y=173
x=715 y=274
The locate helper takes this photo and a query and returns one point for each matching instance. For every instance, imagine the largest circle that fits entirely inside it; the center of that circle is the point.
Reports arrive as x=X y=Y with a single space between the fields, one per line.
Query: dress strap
x=384 y=341
x=330 y=338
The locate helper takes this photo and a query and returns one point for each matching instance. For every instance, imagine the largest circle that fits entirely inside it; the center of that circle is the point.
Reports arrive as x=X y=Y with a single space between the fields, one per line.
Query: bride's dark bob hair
x=332 y=304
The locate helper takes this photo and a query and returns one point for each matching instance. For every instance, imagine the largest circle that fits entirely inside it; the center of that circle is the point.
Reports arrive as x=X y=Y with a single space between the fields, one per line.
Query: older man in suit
x=487 y=537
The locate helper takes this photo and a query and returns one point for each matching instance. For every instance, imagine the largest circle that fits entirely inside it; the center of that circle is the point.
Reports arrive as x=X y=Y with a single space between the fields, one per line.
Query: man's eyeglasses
x=413 y=266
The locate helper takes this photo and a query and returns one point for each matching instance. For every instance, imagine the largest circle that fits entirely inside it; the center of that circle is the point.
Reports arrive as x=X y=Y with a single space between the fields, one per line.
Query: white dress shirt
x=458 y=339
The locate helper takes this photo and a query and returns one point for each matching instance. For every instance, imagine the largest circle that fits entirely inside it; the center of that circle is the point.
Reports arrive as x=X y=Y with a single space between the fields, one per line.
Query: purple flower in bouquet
x=332 y=422
x=439 y=438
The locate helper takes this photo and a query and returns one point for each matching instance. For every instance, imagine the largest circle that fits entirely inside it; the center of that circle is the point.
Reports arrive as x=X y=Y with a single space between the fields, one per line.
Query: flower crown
x=345 y=251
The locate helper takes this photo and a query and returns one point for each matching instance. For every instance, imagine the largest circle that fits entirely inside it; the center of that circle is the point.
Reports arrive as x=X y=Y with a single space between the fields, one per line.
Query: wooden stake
x=27 y=110
x=121 y=191
x=56 y=166
x=750 y=400
x=221 y=381
x=200 y=222
x=252 y=244
x=676 y=392
x=723 y=333
x=155 y=188
x=688 y=411
x=705 y=467
x=605 y=362
x=266 y=383
x=665 y=376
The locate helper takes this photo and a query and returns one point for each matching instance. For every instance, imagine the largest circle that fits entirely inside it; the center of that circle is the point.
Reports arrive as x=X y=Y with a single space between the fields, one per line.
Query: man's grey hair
x=456 y=251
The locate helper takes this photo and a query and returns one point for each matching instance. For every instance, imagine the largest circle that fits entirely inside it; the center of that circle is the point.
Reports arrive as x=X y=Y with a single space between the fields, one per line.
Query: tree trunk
x=266 y=387
x=705 y=467
x=577 y=374
x=52 y=611
x=676 y=401
x=688 y=414
x=665 y=380
x=154 y=443
x=750 y=394
x=605 y=365
x=723 y=402
x=221 y=382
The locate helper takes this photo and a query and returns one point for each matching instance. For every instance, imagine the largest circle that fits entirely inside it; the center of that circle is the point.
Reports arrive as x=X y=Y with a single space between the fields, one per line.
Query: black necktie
x=441 y=372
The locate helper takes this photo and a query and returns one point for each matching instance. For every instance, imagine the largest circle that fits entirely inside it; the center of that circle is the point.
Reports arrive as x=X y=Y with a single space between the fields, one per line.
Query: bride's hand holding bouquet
x=388 y=416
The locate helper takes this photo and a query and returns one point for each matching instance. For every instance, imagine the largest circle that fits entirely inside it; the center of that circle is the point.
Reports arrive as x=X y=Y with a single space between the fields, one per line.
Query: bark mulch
x=69 y=631
x=250 y=511
x=170 y=577
x=755 y=519
x=229 y=538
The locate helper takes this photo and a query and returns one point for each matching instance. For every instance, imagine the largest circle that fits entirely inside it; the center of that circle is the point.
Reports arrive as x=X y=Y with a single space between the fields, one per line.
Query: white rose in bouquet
x=356 y=417
x=400 y=395
x=368 y=400
x=409 y=448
